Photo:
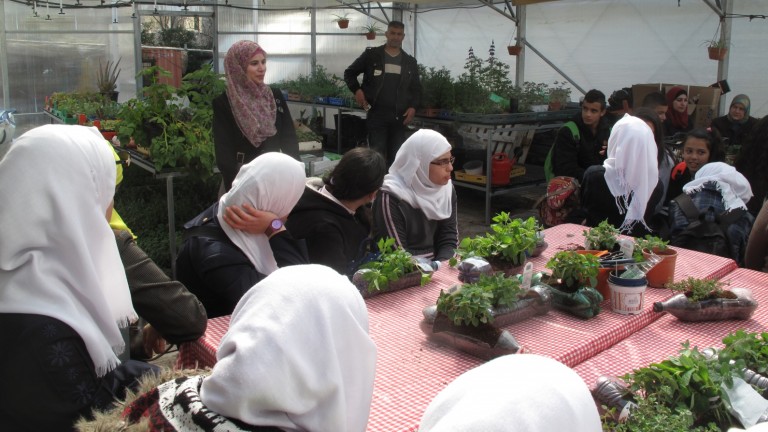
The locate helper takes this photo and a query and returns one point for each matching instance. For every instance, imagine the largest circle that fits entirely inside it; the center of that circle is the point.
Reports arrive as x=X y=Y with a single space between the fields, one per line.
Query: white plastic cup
x=627 y=295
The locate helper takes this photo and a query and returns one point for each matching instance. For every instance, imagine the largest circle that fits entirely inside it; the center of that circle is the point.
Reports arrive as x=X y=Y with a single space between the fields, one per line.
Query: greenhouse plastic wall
x=63 y=53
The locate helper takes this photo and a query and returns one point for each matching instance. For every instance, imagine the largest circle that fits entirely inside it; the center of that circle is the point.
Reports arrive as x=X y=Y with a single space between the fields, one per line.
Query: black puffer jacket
x=334 y=237
x=217 y=271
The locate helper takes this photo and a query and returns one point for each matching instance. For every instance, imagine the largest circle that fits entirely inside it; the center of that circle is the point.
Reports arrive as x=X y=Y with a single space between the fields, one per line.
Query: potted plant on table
x=469 y=316
x=106 y=79
x=706 y=300
x=342 y=20
x=370 y=30
x=506 y=247
x=393 y=270
x=663 y=272
x=573 y=277
x=602 y=237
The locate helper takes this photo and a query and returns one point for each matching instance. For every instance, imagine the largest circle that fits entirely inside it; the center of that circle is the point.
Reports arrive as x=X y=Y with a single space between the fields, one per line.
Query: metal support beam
x=510 y=15
x=4 y=59
x=520 y=39
x=725 y=37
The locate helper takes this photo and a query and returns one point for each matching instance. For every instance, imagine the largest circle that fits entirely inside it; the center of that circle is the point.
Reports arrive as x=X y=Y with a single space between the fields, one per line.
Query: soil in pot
x=509 y=268
x=663 y=272
x=484 y=332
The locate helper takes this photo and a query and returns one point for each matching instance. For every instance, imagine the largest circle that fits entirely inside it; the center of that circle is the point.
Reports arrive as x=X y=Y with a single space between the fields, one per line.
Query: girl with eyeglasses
x=417 y=202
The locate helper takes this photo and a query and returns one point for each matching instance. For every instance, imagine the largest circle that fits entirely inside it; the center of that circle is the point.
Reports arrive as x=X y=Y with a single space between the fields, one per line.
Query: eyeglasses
x=125 y=158
x=444 y=162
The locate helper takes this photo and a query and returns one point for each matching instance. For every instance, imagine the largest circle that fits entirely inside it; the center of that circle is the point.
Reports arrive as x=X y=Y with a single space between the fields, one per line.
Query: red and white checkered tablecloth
x=664 y=337
x=411 y=370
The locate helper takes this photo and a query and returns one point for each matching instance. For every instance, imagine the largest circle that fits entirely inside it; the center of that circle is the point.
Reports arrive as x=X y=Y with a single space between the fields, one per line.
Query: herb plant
x=649 y=242
x=511 y=240
x=392 y=264
x=651 y=416
x=698 y=289
x=689 y=381
x=473 y=303
x=746 y=350
x=602 y=237
x=573 y=268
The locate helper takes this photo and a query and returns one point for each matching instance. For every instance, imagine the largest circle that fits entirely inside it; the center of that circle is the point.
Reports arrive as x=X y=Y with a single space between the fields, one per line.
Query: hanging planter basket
x=343 y=23
x=717 y=53
x=514 y=49
x=370 y=36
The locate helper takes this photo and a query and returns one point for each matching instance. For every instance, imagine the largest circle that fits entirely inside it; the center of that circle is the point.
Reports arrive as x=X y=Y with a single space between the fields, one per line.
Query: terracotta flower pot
x=663 y=272
x=344 y=23
x=370 y=35
x=514 y=49
x=716 y=53
x=602 y=274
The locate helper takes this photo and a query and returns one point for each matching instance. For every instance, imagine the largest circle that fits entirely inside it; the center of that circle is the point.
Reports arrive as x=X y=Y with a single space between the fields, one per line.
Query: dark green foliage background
x=141 y=201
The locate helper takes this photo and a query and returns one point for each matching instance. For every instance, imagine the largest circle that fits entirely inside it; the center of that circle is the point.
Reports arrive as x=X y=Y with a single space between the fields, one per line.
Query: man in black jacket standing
x=390 y=91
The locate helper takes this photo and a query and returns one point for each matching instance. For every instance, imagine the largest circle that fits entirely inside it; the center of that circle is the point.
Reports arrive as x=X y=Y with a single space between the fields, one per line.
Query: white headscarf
x=272 y=182
x=521 y=392
x=297 y=355
x=731 y=184
x=58 y=255
x=631 y=169
x=408 y=177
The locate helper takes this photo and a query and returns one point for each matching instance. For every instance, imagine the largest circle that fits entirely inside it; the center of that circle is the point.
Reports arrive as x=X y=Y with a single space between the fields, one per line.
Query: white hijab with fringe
x=408 y=177
x=631 y=169
x=521 y=392
x=271 y=182
x=58 y=255
x=731 y=184
x=297 y=355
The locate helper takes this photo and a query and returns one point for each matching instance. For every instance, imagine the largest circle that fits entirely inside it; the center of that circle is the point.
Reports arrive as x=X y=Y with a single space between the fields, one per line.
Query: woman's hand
x=248 y=219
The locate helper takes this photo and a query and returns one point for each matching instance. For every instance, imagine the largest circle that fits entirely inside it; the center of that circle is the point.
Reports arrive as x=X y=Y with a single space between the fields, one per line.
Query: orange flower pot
x=663 y=272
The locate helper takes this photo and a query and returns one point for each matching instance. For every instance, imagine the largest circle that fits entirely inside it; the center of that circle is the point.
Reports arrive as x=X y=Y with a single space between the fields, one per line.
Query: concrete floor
x=472 y=208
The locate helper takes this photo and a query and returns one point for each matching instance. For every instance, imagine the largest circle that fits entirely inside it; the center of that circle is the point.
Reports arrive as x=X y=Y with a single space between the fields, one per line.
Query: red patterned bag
x=561 y=199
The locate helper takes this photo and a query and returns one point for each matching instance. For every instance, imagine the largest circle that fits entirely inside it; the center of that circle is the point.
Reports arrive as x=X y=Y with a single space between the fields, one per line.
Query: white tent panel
x=609 y=44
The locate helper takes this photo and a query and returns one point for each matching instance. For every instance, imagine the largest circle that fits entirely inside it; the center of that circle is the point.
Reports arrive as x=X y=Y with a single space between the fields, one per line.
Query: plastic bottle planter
x=408 y=280
x=740 y=307
x=627 y=295
x=485 y=341
x=488 y=340
x=583 y=303
x=538 y=301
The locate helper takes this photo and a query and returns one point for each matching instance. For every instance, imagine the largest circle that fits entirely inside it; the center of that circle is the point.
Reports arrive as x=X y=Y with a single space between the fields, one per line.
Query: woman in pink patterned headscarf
x=250 y=118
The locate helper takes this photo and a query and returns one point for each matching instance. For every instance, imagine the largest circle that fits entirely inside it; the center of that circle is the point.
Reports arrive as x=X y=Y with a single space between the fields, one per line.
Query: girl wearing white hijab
x=522 y=392
x=63 y=291
x=719 y=186
x=630 y=175
x=219 y=263
x=297 y=357
x=417 y=203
